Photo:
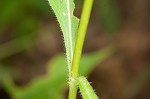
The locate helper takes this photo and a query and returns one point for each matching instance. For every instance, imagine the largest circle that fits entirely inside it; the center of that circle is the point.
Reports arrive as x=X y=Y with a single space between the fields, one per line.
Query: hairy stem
x=85 y=16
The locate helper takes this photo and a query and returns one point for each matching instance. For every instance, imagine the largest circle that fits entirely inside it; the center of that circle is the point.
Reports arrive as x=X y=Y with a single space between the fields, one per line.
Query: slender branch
x=85 y=16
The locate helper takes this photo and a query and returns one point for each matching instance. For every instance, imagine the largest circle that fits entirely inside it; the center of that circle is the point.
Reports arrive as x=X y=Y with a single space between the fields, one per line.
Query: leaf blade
x=63 y=10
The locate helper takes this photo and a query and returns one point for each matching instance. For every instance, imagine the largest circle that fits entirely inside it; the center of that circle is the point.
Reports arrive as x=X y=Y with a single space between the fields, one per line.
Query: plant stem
x=85 y=16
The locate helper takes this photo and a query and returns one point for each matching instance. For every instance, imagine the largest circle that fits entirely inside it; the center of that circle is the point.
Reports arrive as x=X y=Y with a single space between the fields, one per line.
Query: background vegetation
x=117 y=50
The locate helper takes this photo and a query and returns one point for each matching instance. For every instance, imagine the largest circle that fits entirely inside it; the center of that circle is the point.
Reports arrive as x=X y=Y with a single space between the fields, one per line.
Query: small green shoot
x=86 y=89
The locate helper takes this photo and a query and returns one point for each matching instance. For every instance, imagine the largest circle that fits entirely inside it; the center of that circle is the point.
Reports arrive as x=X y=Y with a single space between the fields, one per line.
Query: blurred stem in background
x=14 y=46
x=108 y=14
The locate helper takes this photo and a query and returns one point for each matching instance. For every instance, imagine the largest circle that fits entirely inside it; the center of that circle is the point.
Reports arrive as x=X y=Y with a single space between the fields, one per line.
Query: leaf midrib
x=69 y=27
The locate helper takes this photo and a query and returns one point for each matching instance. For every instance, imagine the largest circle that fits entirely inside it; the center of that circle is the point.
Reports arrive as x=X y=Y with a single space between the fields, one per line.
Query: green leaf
x=86 y=89
x=87 y=60
x=68 y=23
x=52 y=85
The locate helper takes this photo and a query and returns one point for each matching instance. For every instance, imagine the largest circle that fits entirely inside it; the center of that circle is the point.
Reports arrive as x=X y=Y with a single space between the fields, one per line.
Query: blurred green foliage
x=19 y=21
x=21 y=10
x=109 y=15
x=52 y=85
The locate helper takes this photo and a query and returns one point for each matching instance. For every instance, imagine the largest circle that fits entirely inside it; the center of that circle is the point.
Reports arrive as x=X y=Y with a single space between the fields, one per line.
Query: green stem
x=85 y=16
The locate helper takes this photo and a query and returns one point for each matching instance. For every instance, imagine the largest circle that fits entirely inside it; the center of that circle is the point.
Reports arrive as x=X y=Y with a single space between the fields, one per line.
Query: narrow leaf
x=63 y=10
x=86 y=89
